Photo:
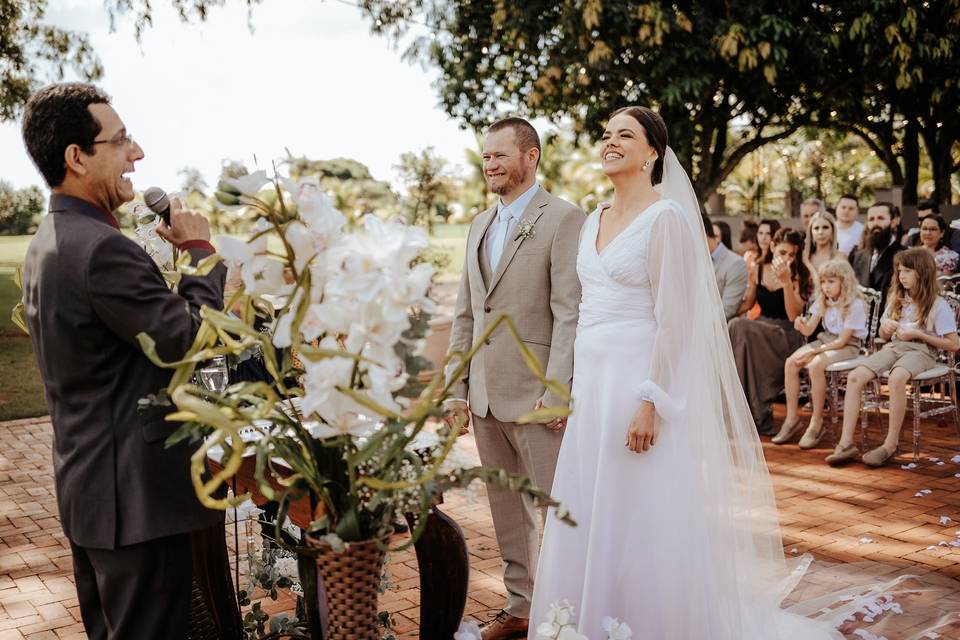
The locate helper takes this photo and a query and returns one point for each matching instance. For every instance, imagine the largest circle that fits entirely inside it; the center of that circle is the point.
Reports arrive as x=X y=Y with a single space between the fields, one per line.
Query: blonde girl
x=917 y=322
x=841 y=309
x=821 y=241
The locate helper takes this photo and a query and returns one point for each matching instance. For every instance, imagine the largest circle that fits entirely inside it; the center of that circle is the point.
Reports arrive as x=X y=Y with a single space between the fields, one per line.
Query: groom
x=521 y=261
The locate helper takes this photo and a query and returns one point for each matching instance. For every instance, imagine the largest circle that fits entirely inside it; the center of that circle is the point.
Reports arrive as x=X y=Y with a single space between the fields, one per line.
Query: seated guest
x=849 y=229
x=924 y=209
x=916 y=323
x=723 y=231
x=841 y=310
x=781 y=284
x=749 y=248
x=126 y=500
x=932 y=231
x=873 y=261
x=765 y=232
x=821 y=242
x=730 y=268
x=809 y=208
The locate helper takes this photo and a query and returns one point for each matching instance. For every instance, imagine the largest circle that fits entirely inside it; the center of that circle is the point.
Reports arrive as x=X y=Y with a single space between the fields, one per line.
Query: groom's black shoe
x=505 y=627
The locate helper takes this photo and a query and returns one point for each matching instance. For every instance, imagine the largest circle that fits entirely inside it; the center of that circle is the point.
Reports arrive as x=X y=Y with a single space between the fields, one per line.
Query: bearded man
x=873 y=261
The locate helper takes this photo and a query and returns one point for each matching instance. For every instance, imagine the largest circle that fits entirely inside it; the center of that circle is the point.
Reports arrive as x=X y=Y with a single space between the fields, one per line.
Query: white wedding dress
x=682 y=542
x=663 y=540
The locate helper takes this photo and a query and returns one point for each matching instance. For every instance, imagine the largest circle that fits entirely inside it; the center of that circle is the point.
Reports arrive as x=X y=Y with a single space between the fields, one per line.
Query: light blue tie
x=506 y=222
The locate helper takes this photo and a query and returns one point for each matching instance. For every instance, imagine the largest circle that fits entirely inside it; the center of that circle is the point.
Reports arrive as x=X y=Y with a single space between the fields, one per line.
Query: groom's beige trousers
x=530 y=450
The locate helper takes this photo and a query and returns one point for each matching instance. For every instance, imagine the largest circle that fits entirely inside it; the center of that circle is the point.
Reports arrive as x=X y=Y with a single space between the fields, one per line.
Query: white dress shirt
x=498 y=234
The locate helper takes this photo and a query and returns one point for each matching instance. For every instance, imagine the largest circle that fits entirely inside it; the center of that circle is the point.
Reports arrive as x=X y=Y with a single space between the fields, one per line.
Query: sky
x=310 y=78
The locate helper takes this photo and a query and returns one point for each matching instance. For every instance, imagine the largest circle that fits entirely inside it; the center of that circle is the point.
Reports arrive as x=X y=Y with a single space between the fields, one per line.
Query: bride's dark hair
x=656 y=131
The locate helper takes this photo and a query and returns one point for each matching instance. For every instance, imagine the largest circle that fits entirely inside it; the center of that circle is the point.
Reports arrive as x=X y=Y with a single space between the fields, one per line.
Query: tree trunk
x=939 y=143
x=942 y=165
x=911 y=161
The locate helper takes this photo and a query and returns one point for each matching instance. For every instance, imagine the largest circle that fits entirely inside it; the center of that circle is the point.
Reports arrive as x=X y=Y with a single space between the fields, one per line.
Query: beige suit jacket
x=536 y=284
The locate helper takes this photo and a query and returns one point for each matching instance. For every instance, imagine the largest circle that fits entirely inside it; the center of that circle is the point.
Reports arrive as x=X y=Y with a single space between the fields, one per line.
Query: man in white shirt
x=849 y=229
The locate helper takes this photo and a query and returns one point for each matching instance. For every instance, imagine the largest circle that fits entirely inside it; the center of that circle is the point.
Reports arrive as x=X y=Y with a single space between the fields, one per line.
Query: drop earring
x=646 y=163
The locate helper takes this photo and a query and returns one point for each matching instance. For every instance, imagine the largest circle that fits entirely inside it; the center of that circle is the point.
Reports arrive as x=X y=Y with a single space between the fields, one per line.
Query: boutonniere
x=525 y=229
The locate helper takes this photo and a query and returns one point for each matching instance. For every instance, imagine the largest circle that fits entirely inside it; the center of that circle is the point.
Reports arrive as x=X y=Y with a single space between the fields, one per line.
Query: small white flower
x=616 y=630
x=945 y=521
x=287 y=567
x=263 y=275
x=525 y=229
x=249 y=185
x=469 y=630
x=560 y=613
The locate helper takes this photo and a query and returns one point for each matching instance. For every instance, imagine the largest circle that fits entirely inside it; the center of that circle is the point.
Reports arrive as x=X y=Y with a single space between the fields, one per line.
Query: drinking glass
x=213 y=374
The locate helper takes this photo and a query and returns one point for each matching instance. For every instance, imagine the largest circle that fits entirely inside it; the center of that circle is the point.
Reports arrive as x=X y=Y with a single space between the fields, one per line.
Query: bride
x=661 y=464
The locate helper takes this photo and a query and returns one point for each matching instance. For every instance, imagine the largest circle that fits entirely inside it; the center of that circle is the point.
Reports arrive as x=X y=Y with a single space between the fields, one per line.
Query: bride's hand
x=644 y=429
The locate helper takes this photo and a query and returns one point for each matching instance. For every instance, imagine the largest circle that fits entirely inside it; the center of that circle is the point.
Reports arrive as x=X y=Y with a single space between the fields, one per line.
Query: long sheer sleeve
x=672 y=269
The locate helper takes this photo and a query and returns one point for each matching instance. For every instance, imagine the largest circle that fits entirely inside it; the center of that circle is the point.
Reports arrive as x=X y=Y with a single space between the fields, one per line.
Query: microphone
x=157 y=201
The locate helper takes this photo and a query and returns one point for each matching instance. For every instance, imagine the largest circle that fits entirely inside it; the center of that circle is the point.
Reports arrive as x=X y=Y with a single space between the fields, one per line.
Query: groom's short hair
x=524 y=133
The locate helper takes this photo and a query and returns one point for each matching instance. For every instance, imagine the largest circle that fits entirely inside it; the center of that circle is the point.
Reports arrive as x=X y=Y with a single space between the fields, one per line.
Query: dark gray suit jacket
x=88 y=292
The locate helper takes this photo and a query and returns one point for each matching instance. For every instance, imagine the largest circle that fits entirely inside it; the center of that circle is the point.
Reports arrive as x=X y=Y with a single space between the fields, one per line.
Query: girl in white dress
x=660 y=464
x=841 y=309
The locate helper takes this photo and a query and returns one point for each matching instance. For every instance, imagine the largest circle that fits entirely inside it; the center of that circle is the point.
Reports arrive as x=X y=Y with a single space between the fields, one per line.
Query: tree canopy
x=32 y=53
x=728 y=77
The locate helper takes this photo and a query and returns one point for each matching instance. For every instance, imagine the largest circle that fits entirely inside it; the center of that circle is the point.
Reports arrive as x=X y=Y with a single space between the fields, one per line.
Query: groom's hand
x=644 y=429
x=557 y=424
x=458 y=416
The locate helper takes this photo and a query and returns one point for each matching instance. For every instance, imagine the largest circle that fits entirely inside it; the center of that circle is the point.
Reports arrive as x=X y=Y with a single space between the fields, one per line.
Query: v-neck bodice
x=615 y=281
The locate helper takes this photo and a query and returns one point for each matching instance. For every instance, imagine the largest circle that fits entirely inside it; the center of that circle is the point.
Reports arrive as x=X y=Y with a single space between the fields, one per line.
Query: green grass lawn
x=451 y=240
x=21 y=389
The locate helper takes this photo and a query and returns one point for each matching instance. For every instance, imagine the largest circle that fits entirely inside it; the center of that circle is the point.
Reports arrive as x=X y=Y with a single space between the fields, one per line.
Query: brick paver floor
x=845 y=515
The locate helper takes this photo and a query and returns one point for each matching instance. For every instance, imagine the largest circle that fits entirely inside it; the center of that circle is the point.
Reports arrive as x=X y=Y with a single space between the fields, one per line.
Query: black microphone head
x=157 y=201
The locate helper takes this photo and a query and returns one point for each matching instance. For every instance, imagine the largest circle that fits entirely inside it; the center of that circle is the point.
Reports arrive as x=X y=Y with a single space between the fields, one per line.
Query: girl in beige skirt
x=916 y=323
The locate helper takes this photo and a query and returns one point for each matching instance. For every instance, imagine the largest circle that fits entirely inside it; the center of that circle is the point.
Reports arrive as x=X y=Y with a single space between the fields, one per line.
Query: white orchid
x=395 y=243
x=559 y=617
x=282 y=329
x=469 y=630
x=320 y=381
x=615 y=629
x=261 y=274
x=249 y=185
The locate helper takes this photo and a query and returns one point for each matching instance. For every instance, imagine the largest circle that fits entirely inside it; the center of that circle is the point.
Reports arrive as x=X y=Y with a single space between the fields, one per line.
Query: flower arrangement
x=347 y=421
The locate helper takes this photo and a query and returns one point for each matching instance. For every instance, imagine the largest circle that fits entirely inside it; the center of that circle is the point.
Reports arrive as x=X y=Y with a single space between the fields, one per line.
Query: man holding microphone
x=126 y=502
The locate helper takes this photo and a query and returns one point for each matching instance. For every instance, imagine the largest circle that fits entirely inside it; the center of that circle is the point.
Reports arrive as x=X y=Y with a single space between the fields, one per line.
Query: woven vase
x=351 y=580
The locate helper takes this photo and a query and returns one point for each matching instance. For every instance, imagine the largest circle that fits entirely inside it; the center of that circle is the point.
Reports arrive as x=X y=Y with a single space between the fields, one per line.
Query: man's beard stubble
x=513 y=179
x=880 y=238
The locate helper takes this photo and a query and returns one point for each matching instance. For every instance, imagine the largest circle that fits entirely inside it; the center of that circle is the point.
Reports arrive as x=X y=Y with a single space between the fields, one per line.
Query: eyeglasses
x=120 y=140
